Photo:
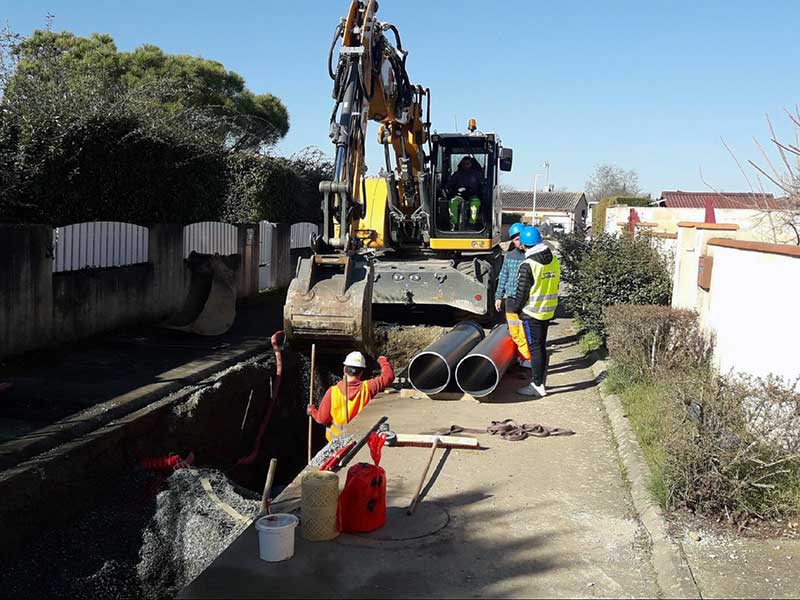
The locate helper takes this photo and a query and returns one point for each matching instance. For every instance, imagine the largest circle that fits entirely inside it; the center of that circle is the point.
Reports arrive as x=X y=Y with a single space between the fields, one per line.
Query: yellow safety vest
x=343 y=410
x=544 y=291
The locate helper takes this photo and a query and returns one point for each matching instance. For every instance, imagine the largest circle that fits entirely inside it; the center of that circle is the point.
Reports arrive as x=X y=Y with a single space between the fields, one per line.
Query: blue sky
x=650 y=86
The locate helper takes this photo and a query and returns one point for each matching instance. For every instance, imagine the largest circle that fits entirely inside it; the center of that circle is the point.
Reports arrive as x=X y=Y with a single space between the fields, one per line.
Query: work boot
x=532 y=391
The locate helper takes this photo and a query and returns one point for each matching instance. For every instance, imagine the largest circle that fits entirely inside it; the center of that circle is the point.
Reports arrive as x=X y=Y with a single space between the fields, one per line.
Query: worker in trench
x=535 y=301
x=343 y=401
x=507 y=286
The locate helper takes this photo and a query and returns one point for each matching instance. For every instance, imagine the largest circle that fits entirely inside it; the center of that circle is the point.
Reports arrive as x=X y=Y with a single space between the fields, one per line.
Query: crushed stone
x=189 y=529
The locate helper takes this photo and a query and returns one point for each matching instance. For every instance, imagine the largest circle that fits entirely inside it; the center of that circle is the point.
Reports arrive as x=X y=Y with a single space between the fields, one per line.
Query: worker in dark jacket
x=468 y=176
x=343 y=401
x=507 y=286
x=464 y=190
x=535 y=301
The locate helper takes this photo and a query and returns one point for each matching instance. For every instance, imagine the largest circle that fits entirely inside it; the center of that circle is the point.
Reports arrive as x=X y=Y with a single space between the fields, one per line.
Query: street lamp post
x=533 y=213
x=547 y=176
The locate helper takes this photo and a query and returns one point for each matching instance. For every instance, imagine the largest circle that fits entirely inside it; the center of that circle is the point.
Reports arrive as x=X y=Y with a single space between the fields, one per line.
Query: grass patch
x=590 y=341
x=644 y=405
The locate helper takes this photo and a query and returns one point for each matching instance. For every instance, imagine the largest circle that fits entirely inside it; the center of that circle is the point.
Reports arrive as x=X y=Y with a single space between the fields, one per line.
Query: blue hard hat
x=515 y=229
x=530 y=236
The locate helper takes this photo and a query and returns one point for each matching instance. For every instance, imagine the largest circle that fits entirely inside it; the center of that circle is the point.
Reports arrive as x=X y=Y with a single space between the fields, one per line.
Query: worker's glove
x=309 y=409
x=498 y=304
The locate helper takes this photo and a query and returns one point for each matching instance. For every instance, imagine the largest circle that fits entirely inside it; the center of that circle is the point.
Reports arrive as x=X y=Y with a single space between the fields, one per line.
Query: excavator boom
x=331 y=296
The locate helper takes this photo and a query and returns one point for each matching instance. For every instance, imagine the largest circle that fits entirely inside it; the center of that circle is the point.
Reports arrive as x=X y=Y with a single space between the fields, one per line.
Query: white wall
x=752 y=306
x=754 y=225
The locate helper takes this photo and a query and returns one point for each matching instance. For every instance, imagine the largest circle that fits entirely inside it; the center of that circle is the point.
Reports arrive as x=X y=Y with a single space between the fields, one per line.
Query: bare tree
x=611 y=180
x=784 y=173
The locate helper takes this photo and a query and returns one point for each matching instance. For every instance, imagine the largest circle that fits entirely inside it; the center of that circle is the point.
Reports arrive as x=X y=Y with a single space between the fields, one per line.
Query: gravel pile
x=190 y=529
x=147 y=537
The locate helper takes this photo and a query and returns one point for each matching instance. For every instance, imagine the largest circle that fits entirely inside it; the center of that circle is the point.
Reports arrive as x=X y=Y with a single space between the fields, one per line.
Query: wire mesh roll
x=320 y=498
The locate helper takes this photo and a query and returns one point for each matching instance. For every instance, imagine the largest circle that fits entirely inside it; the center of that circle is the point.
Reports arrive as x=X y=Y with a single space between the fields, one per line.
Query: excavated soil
x=400 y=343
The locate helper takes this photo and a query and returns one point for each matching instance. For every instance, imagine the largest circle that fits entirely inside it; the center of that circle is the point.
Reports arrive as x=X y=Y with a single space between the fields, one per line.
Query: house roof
x=523 y=201
x=747 y=200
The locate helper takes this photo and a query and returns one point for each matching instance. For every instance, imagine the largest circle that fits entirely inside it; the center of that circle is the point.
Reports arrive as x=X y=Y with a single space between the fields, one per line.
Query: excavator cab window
x=463 y=176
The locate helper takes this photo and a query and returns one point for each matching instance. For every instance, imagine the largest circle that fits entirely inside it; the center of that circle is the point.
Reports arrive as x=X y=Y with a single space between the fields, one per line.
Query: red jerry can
x=362 y=503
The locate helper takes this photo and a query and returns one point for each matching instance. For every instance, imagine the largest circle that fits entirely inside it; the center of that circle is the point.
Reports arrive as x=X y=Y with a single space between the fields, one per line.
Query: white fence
x=99 y=244
x=300 y=238
x=265 y=273
x=210 y=237
x=112 y=244
x=301 y=234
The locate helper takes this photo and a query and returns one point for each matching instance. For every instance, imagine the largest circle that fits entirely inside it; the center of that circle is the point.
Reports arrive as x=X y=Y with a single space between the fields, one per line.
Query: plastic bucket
x=276 y=537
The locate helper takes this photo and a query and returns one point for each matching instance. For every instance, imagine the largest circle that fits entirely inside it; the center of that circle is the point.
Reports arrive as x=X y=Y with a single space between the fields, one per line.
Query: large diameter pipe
x=430 y=371
x=480 y=371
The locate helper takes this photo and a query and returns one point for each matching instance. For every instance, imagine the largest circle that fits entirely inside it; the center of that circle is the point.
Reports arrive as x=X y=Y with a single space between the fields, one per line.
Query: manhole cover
x=426 y=520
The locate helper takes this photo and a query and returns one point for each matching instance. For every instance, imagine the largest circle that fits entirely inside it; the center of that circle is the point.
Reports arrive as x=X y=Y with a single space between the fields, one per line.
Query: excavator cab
x=467 y=209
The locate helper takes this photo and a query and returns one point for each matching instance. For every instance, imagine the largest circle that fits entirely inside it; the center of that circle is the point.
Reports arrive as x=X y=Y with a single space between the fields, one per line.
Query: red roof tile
x=723 y=200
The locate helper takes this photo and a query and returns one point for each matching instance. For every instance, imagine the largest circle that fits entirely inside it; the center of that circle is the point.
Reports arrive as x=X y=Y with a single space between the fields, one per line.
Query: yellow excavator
x=426 y=232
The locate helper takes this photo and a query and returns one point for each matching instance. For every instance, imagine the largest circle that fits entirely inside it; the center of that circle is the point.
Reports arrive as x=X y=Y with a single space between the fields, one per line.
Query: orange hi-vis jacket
x=344 y=410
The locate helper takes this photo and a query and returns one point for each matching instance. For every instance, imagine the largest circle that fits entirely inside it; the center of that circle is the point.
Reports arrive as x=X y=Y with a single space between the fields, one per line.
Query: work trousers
x=536 y=334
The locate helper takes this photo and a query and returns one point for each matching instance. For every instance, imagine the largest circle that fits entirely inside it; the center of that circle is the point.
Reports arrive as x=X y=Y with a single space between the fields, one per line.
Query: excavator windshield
x=463 y=176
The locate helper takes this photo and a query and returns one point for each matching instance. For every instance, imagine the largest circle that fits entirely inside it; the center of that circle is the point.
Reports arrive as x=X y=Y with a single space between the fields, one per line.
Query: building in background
x=760 y=217
x=555 y=211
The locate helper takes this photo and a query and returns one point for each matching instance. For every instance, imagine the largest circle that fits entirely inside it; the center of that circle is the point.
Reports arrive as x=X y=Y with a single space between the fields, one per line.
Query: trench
x=148 y=532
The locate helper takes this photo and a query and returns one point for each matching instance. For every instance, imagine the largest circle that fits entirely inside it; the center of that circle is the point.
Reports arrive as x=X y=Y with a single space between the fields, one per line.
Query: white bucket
x=276 y=537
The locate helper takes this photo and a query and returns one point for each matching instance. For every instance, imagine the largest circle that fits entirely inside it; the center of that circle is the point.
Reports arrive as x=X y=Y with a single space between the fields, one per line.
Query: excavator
x=426 y=232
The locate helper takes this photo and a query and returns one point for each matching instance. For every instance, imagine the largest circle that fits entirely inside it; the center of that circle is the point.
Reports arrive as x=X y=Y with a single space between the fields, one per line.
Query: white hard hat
x=355 y=359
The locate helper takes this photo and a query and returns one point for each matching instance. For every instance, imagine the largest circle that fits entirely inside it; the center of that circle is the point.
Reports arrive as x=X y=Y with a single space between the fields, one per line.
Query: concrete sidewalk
x=542 y=517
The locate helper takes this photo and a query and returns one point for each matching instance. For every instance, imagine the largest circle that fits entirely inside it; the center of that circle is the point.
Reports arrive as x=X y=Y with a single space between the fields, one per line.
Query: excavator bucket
x=330 y=300
x=210 y=306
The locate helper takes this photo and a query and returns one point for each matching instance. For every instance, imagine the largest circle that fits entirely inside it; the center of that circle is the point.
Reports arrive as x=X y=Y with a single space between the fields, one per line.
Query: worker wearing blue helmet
x=507 y=286
x=535 y=301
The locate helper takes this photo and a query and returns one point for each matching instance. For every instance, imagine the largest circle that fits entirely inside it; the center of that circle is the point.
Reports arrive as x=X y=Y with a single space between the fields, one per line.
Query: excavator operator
x=466 y=182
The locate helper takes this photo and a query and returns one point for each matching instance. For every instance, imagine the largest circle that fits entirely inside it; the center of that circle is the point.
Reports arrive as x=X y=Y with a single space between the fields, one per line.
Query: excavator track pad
x=330 y=301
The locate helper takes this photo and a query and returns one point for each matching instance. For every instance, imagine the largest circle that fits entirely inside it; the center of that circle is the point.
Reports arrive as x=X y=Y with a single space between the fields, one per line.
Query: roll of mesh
x=320 y=497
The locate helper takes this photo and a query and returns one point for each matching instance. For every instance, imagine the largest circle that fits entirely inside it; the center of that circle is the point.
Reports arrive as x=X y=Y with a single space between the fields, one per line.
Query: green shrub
x=646 y=341
x=617 y=270
x=724 y=447
x=729 y=460
x=572 y=249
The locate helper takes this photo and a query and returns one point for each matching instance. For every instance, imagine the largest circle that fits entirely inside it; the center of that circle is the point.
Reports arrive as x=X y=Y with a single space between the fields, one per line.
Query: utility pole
x=535 y=185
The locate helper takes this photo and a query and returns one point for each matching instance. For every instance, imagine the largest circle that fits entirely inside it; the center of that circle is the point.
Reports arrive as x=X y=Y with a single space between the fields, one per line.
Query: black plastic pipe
x=480 y=371
x=430 y=371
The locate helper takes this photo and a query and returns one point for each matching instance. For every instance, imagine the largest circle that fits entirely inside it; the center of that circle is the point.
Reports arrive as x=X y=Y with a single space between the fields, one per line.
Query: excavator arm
x=371 y=83
x=330 y=299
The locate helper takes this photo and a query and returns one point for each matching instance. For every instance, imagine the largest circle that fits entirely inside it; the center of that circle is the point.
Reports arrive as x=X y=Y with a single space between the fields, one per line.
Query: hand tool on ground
x=332 y=463
x=311 y=395
x=509 y=430
x=407 y=440
x=246 y=410
x=354 y=450
x=273 y=465
x=413 y=506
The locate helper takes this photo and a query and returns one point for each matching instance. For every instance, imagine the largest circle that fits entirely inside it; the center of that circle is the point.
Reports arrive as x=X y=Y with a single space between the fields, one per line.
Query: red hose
x=173 y=462
x=276 y=385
